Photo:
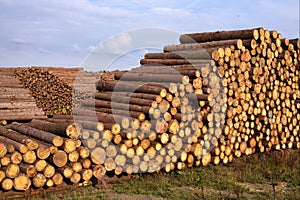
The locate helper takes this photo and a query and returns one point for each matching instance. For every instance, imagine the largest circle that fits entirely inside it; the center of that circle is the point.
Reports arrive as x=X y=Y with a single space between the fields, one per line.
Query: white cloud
x=44 y=51
x=91 y=48
x=18 y=41
x=119 y=44
x=168 y=11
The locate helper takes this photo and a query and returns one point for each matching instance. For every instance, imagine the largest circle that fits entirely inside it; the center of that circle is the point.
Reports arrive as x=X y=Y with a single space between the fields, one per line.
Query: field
x=273 y=175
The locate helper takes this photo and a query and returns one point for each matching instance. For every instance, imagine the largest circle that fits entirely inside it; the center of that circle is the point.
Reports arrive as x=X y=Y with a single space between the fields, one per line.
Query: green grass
x=274 y=175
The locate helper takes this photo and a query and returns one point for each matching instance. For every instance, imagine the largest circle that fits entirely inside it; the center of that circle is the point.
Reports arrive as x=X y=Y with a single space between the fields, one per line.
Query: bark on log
x=219 y=35
x=38 y=134
x=129 y=87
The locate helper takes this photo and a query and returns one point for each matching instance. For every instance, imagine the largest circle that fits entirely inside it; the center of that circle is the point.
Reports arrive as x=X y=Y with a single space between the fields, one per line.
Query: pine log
x=204 y=45
x=38 y=134
x=171 y=78
x=18 y=137
x=56 y=128
x=168 y=62
x=18 y=146
x=124 y=86
x=219 y=35
x=22 y=182
x=123 y=98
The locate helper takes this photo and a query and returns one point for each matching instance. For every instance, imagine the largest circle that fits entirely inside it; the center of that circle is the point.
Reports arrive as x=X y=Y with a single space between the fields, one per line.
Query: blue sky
x=63 y=32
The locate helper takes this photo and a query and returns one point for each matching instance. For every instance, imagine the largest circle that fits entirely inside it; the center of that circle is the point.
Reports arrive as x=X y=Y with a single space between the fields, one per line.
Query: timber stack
x=77 y=78
x=41 y=154
x=211 y=98
x=16 y=102
x=52 y=94
x=215 y=96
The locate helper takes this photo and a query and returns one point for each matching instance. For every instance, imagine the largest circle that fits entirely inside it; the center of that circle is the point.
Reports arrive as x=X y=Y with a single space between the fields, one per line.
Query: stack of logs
x=52 y=94
x=16 y=102
x=43 y=154
x=211 y=98
x=77 y=78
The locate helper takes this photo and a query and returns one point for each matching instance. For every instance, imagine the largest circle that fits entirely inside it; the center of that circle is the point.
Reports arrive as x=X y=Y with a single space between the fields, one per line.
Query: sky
x=65 y=33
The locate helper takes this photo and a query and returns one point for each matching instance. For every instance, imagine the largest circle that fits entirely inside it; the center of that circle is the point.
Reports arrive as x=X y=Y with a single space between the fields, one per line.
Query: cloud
x=168 y=11
x=44 y=51
x=91 y=47
x=118 y=44
x=18 y=41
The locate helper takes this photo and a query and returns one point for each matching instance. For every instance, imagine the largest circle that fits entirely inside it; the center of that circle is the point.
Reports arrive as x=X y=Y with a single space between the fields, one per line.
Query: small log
x=57 y=179
x=7 y=184
x=39 y=180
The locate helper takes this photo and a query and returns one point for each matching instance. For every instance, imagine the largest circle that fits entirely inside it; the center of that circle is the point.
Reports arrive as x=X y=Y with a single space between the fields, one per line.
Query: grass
x=262 y=176
x=274 y=175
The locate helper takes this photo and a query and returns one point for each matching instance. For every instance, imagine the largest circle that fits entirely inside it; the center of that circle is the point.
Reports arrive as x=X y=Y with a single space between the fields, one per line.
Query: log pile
x=259 y=73
x=16 y=102
x=81 y=81
x=224 y=95
x=214 y=97
x=52 y=94
x=42 y=154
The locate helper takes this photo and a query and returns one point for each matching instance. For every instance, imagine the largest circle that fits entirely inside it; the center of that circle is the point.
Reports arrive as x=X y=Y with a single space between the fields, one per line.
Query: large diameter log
x=22 y=182
x=59 y=159
x=38 y=134
x=124 y=86
x=219 y=35
x=98 y=156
